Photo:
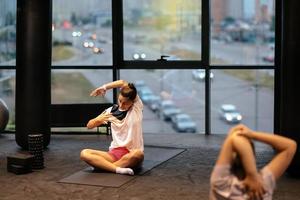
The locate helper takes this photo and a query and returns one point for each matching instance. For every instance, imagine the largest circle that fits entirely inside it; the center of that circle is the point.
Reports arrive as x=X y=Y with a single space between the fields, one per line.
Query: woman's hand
x=246 y=132
x=241 y=130
x=254 y=186
x=104 y=117
x=98 y=91
x=236 y=129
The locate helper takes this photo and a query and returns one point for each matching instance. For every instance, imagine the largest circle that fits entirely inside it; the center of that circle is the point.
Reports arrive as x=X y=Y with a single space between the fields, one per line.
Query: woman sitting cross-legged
x=127 y=147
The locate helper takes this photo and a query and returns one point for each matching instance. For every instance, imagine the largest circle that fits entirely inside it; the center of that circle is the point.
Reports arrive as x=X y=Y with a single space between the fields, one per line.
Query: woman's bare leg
x=103 y=154
x=102 y=160
x=99 y=159
x=132 y=159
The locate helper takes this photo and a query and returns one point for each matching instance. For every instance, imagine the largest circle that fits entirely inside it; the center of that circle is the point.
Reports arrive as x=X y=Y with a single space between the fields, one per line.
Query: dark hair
x=237 y=167
x=129 y=91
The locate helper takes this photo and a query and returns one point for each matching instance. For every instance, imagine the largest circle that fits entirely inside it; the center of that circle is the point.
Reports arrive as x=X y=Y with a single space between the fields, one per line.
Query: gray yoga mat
x=154 y=156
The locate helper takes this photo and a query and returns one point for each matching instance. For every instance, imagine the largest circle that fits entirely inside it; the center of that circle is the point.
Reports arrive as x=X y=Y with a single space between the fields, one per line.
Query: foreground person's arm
x=284 y=146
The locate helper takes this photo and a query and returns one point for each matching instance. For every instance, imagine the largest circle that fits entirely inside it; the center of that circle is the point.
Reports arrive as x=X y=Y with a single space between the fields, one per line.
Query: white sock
x=120 y=170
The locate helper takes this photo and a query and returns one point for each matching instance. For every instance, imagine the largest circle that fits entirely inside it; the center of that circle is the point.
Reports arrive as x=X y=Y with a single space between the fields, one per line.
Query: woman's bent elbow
x=293 y=148
x=90 y=124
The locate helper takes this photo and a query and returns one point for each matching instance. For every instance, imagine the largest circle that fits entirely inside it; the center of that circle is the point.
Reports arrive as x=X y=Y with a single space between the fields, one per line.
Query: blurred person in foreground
x=126 y=150
x=235 y=174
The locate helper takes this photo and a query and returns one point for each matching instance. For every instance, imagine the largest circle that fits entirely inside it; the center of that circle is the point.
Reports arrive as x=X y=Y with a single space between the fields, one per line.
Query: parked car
x=199 y=74
x=98 y=50
x=183 y=123
x=143 y=90
x=269 y=58
x=154 y=103
x=139 y=56
x=167 y=109
x=230 y=114
x=139 y=85
x=145 y=94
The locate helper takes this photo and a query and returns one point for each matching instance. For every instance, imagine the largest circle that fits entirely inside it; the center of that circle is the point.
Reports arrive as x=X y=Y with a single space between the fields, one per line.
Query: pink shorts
x=118 y=153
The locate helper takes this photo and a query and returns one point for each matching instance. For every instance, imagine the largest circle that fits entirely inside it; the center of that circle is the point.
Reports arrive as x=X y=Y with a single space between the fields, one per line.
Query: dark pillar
x=290 y=77
x=33 y=70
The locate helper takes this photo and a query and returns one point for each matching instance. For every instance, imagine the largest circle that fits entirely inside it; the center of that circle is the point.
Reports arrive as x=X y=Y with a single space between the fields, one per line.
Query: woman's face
x=124 y=103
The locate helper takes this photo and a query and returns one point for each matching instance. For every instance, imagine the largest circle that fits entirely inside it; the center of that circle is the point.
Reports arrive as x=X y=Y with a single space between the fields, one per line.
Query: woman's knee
x=138 y=154
x=84 y=154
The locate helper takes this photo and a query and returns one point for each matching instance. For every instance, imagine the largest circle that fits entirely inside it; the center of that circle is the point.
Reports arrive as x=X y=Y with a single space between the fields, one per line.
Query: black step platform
x=20 y=163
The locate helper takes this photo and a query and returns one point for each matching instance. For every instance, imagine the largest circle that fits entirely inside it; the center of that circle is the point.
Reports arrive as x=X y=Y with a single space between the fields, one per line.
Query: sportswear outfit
x=126 y=129
x=225 y=185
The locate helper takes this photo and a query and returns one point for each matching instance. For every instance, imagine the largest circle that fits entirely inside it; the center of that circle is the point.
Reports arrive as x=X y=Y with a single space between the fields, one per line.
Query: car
x=154 y=103
x=152 y=98
x=147 y=97
x=199 y=74
x=139 y=56
x=142 y=88
x=230 y=114
x=97 y=50
x=183 y=123
x=76 y=33
x=139 y=85
x=145 y=94
x=167 y=109
x=269 y=58
x=88 y=44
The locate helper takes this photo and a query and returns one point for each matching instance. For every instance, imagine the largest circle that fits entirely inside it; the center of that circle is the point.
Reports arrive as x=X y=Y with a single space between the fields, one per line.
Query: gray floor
x=185 y=176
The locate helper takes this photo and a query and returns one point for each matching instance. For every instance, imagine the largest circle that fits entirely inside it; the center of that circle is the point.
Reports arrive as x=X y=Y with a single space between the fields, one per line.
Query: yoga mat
x=154 y=156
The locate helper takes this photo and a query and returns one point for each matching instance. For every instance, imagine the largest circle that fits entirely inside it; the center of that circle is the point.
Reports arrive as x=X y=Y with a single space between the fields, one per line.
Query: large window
x=82 y=33
x=7 y=94
x=242 y=96
x=242 y=37
x=162 y=27
x=242 y=32
x=234 y=42
x=7 y=57
x=7 y=32
x=74 y=86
